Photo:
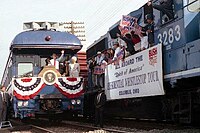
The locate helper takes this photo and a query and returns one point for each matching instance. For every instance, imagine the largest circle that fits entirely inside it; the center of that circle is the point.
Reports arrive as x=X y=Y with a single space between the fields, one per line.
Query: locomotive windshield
x=193 y=5
x=25 y=69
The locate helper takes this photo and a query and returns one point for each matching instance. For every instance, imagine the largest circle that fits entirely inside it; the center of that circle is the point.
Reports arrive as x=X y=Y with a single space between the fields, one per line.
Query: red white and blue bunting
x=70 y=87
x=28 y=88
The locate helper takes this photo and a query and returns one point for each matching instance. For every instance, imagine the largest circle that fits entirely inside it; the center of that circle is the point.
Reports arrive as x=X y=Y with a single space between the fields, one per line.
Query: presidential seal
x=49 y=77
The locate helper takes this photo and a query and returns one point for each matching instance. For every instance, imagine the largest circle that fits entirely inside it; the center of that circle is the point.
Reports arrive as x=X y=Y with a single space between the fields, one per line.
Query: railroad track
x=79 y=124
x=44 y=126
x=65 y=125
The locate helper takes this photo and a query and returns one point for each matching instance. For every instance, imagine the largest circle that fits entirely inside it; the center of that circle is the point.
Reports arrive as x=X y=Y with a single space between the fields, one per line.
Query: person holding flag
x=128 y=40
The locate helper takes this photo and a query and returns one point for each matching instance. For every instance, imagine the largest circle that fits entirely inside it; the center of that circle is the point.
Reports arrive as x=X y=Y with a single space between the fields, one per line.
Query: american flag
x=98 y=70
x=120 y=55
x=129 y=23
x=137 y=29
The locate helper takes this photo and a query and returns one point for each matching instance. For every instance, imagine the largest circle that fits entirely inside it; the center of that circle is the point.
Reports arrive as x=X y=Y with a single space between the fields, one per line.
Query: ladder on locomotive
x=185 y=107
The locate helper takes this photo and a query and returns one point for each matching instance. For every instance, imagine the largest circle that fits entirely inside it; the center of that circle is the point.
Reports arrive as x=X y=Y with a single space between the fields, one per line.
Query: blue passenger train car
x=37 y=88
x=180 y=39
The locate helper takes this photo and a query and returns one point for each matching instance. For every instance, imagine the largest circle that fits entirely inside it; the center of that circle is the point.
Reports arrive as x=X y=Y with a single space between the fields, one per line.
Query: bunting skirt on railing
x=70 y=87
x=28 y=88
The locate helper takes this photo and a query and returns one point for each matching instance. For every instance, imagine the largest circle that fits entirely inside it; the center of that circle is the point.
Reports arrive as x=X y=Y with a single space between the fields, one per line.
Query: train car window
x=25 y=69
x=194 y=5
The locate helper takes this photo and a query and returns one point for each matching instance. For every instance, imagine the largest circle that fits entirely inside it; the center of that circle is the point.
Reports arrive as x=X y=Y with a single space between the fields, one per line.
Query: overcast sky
x=98 y=16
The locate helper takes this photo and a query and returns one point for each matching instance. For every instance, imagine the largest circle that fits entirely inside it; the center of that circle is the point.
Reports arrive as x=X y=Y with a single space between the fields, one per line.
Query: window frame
x=191 y=3
x=24 y=74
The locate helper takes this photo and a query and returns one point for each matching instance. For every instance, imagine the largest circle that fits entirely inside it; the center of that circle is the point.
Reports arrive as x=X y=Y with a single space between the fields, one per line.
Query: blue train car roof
x=45 y=38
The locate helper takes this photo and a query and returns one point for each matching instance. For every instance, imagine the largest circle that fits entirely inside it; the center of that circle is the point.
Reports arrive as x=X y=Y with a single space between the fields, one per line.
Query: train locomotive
x=179 y=38
x=37 y=89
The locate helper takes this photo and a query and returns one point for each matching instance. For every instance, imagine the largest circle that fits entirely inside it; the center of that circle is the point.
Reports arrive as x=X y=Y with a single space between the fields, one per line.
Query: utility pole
x=76 y=28
x=72 y=27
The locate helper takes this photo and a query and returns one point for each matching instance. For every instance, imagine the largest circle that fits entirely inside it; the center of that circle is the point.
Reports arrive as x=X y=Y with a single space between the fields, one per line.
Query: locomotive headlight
x=25 y=103
x=73 y=101
x=22 y=103
x=78 y=101
x=19 y=103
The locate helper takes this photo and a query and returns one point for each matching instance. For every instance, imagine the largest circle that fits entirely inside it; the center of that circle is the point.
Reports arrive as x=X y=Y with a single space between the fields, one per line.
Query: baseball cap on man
x=98 y=52
x=123 y=45
x=116 y=43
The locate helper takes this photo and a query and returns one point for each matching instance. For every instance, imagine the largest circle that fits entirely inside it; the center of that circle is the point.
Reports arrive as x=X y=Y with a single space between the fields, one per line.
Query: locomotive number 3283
x=168 y=37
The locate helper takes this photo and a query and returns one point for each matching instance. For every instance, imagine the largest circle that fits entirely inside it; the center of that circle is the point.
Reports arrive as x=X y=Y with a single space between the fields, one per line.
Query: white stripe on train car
x=182 y=73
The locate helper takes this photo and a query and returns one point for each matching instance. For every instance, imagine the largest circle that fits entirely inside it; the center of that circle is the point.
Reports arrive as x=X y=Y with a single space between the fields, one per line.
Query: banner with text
x=138 y=75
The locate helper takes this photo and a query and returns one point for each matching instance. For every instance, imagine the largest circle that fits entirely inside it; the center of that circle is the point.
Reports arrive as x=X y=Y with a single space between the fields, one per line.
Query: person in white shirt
x=98 y=58
x=55 y=61
x=74 y=67
x=117 y=50
x=144 y=42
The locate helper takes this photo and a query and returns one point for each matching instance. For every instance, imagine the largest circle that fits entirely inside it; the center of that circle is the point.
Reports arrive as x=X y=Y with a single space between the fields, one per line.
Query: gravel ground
x=127 y=127
x=171 y=131
x=152 y=131
x=67 y=129
x=98 y=131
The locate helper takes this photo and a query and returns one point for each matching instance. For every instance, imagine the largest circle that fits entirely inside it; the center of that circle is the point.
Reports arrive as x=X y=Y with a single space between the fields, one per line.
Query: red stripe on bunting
x=67 y=94
x=27 y=97
x=72 y=79
x=26 y=80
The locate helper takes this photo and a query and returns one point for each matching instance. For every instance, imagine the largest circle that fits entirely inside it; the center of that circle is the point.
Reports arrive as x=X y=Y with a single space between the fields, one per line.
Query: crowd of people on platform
x=132 y=43
x=135 y=41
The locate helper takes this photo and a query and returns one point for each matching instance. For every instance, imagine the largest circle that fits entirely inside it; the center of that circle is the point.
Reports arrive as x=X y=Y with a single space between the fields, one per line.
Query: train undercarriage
x=180 y=104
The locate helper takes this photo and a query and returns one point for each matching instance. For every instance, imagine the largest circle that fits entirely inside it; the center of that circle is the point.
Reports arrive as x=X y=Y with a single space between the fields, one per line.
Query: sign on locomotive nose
x=138 y=75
